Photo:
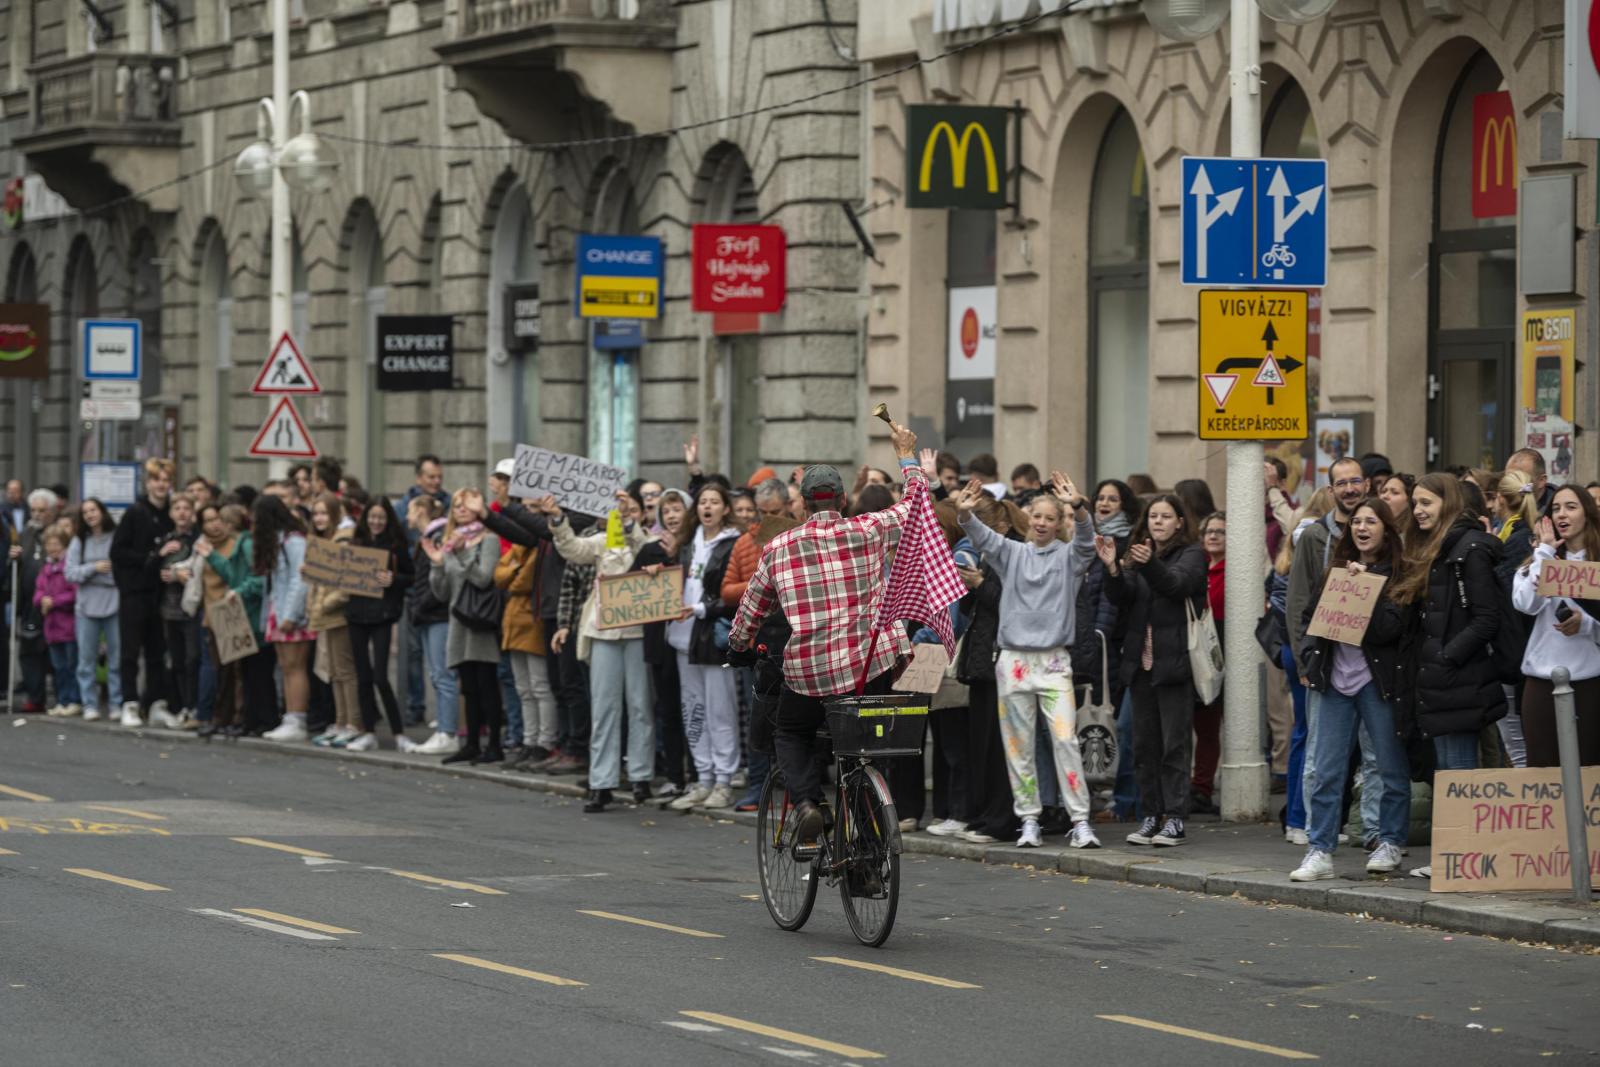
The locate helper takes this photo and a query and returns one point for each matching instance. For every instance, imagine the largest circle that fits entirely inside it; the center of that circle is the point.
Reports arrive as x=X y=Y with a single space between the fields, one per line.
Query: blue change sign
x=1261 y=223
x=619 y=277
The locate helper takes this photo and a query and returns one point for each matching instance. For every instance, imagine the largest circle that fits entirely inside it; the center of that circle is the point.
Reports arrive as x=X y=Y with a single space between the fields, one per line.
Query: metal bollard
x=1572 y=783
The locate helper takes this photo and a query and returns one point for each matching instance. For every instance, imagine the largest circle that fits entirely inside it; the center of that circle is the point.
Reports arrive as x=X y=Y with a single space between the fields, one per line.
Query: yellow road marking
x=504 y=968
x=23 y=794
x=290 y=920
x=256 y=841
x=131 y=883
x=847 y=1051
x=915 y=976
x=135 y=812
x=1217 y=1039
x=448 y=883
x=647 y=922
x=6 y=852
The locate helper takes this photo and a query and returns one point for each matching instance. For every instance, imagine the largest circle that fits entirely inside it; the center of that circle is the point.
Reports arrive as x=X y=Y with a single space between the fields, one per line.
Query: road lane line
x=262 y=924
x=256 y=841
x=23 y=794
x=915 y=976
x=135 y=812
x=469 y=887
x=505 y=968
x=1217 y=1039
x=6 y=852
x=848 y=1051
x=131 y=883
x=306 y=924
x=648 y=922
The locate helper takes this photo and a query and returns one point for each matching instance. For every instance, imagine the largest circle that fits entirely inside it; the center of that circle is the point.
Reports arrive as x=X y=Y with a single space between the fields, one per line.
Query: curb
x=1535 y=920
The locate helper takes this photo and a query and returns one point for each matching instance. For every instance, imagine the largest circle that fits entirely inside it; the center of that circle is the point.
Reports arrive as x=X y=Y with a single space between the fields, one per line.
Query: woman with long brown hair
x=1294 y=818
x=278 y=548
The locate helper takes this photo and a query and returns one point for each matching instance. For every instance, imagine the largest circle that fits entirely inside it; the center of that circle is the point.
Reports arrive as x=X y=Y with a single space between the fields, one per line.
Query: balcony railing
x=505 y=16
x=104 y=89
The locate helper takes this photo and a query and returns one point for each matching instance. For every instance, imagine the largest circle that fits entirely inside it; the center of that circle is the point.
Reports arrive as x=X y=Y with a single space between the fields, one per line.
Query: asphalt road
x=178 y=904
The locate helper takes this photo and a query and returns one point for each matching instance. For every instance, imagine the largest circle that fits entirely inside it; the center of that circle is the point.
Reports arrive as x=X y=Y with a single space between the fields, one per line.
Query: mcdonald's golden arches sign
x=956 y=156
x=1494 y=156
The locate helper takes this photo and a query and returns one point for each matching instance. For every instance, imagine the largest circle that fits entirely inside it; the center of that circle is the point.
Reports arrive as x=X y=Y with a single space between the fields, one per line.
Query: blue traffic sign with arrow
x=1256 y=222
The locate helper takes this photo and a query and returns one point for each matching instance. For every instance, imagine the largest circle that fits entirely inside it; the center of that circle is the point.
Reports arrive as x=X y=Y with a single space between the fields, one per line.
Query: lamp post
x=272 y=164
x=1244 y=769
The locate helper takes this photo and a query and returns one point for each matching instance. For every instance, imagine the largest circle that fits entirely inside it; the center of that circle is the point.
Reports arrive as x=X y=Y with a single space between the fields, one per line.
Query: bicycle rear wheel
x=788 y=886
x=869 y=839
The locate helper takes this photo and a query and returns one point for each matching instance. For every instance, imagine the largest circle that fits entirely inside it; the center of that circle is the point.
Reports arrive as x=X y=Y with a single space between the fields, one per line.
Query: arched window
x=1119 y=305
x=614 y=373
x=215 y=330
x=735 y=417
x=516 y=262
x=367 y=294
x=27 y=396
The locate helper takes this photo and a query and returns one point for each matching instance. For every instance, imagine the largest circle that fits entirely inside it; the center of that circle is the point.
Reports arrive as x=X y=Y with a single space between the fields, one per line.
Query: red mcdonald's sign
x=1494 y=156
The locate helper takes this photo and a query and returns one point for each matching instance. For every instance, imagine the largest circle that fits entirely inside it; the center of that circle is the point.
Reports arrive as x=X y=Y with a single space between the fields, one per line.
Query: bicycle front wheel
x=869 y=840
x=788 y=886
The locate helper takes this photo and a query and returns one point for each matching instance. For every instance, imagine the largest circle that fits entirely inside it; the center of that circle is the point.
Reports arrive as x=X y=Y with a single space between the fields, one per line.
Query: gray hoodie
x=1039 y=586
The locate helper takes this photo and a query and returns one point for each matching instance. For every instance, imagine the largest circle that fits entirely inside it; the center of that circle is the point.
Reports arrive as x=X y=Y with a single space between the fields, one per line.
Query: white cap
x=505 y=467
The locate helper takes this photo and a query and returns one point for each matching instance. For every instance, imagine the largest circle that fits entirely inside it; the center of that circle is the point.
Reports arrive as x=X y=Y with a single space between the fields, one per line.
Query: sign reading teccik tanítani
x=416 y=353
x=956 y=156
x=619 y=277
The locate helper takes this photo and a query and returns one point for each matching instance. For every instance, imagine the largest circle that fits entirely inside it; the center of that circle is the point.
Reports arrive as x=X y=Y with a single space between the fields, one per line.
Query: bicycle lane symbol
x=74 y=825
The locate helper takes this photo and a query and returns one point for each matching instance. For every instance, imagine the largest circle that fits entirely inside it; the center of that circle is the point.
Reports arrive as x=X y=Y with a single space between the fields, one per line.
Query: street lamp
x=1186 y=20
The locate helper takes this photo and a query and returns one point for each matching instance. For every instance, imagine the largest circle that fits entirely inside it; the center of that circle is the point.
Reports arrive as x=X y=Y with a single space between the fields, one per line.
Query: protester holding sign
x=325 y=607
x=371 y=621
x=227 y=556
x=1357 y=686
x=1562 y=634
x=277 y=551
x=461 y=563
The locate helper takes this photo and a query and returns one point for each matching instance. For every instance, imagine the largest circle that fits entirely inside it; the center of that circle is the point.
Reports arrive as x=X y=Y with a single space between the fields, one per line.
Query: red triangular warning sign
x=283 y=434
x=1221 y=385
x=286 y=371
x=1270 y=375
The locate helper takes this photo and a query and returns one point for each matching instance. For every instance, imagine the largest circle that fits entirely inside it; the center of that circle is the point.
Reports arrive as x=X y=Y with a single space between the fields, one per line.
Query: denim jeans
x=509 y=700
x=90 y=633
x=64 y=664
x=1456 y=752
x=1125 y=798
x=1295 y=794
x=433 y=638
x=1339 y=719
x=622 y=688
x=416 y=695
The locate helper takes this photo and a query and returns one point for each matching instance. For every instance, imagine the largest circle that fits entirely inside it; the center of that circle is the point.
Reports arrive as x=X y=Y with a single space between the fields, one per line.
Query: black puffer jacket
x=1152 y=596
x=1095 y=612
x=1380 y=644
x=375 y=611
x=422 y=607
x=1455 y=688
x=975 y=664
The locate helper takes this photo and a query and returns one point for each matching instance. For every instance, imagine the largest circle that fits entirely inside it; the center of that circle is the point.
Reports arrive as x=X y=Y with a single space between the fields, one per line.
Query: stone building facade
x=477 y=139
x=1096 y=363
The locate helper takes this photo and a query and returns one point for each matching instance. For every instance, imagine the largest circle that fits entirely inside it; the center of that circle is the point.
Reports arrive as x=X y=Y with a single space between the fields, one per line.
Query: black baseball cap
x=822 y=482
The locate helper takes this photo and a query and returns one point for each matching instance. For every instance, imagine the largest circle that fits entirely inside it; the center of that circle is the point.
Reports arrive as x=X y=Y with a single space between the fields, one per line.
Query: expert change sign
x=578 y=484
x=619 y=277
x=341 y=565
x=636 y=598
x=416 y=353
x=1507 y=829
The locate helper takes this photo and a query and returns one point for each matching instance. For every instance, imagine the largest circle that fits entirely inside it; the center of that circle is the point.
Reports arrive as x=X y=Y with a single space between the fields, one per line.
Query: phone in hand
x=1563 y=611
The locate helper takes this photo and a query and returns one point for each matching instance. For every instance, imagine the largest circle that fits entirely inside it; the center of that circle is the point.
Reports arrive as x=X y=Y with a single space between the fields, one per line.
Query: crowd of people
x=489 y=602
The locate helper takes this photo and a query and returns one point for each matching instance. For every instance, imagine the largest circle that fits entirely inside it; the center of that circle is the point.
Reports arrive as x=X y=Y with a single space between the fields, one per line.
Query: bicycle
x=1278 y=254
x=860 y=846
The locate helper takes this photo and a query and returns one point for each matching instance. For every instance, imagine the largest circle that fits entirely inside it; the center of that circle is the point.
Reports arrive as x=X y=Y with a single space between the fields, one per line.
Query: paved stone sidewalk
x=1226 y=859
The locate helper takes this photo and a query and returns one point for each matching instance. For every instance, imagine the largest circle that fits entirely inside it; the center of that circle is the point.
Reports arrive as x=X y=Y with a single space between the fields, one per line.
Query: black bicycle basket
x=878 y=726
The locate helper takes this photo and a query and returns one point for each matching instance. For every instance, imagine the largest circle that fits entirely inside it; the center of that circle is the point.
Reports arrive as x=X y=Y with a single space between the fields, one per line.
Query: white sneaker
x=362 y=743
x=293 y=728
x=1296 y=836
x=1317 y=866
x=160 y=716
x=741 y=780
x=91 y=714
x=53 y=711
x=667 y=790
x=130 y=715
x=946 y=827
x=1082 y=836
x=158 y=705
x=437 y=744
x=977 y=837
x=1421 y=872
x=697 y=795
x=721 y=797
x=70 y=711
x=1384 y=859
x=405 y=744
x=1031 y=838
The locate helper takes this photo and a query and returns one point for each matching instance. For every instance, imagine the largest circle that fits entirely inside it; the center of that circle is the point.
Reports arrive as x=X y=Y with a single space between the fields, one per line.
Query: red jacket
x=1215 y=580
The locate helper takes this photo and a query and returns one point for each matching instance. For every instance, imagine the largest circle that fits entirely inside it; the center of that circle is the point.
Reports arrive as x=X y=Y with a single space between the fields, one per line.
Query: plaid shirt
x=828 y=575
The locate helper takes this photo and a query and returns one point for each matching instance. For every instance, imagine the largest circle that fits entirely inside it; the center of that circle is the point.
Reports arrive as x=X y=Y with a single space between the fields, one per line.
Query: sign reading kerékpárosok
x=619 y=277
x=956 y=156
x=1252 y=365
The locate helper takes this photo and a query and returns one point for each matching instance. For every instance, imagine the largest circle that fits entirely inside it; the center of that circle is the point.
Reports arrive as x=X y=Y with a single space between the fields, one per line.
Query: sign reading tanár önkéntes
x=1575 y=578
x=1345 y=608
x=925 y=672
x=230 y=624
x=341 y=565
x=636 y=598
x=416 y=353
x=739 y=268
x=578 y=484
x=1507 y=829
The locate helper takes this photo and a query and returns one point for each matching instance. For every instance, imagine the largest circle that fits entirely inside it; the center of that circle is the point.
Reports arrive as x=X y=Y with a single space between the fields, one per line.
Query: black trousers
x=1539 y=721
x=672 y=748
x=140 y=625
x=370 y=644
x=33 y=657
x=1163 y=745
x=256 y=674
x=570 y=679
x=183 y=652
x=480 y=703
x=949 y=727
x=803 y=756
x=989 y=808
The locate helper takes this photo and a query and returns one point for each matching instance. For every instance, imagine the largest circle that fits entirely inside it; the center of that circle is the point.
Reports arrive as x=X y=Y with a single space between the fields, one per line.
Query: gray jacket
x=97 y=593
x=475 y=565
x=1311 y=554
x=1039 y=586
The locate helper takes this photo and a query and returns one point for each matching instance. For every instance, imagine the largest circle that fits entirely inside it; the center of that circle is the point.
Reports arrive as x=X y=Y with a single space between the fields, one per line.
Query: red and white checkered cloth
x=923 y=582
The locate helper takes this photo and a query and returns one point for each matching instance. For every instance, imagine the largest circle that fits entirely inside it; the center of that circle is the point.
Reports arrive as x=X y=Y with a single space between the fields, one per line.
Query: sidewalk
x=1225 y=859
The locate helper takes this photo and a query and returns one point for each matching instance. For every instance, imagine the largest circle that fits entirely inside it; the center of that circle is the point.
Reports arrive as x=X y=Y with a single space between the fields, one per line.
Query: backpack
x=1511 y=639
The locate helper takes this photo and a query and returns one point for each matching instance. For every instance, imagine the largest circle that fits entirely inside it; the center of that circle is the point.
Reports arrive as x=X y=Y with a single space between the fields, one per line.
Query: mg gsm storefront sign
x=739 y=268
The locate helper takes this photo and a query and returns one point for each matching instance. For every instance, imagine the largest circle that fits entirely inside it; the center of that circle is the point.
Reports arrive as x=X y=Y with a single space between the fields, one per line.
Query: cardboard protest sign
x=925 y=672
x=636 y=597
x=578 y=484
x=341 y=565
x=230 y=624
x=1575 y=578
x=1507 y=829
x=1345 y=609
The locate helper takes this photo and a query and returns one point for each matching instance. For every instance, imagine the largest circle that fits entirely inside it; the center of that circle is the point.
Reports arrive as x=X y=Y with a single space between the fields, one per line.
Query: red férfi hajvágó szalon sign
x=739 y=268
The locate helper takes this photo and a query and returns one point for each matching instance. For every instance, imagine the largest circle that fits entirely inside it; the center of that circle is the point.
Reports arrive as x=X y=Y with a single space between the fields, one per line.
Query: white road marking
x=262 y=924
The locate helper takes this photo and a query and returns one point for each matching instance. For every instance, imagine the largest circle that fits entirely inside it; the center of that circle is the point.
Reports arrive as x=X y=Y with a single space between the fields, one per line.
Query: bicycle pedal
x=803 y=853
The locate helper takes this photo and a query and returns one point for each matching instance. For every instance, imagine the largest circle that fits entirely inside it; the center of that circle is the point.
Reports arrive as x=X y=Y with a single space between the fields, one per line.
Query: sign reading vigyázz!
x=341 y=565
x=578 y=484
x=956 y=156
x=636 y=598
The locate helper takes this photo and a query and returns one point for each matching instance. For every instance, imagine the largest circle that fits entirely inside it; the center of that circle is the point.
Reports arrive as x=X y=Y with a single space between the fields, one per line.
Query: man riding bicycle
x=825 y=574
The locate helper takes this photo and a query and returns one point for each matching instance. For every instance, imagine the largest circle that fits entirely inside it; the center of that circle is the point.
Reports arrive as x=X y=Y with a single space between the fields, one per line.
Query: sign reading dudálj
x=636 y=598
x=416 y=353
x=1346 y=606
x=739 y=268
x=1575 y=578
x=578 y=484
x=341 y=565
x=25 y=341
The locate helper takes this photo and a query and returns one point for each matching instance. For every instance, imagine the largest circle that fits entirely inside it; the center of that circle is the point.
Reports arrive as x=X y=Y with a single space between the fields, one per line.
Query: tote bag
x=1205 y=654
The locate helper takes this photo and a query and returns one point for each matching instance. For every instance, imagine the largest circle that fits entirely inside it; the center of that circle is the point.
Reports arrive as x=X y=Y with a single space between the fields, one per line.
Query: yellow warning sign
x=607 y=297
x=1252 y=365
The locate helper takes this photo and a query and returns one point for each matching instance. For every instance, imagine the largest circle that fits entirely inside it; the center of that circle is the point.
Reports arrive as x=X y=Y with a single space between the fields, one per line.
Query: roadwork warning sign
x=1252 y=365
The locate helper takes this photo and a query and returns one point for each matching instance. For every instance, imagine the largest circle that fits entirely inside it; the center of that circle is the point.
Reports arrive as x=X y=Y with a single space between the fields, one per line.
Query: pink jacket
x=59 y=626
